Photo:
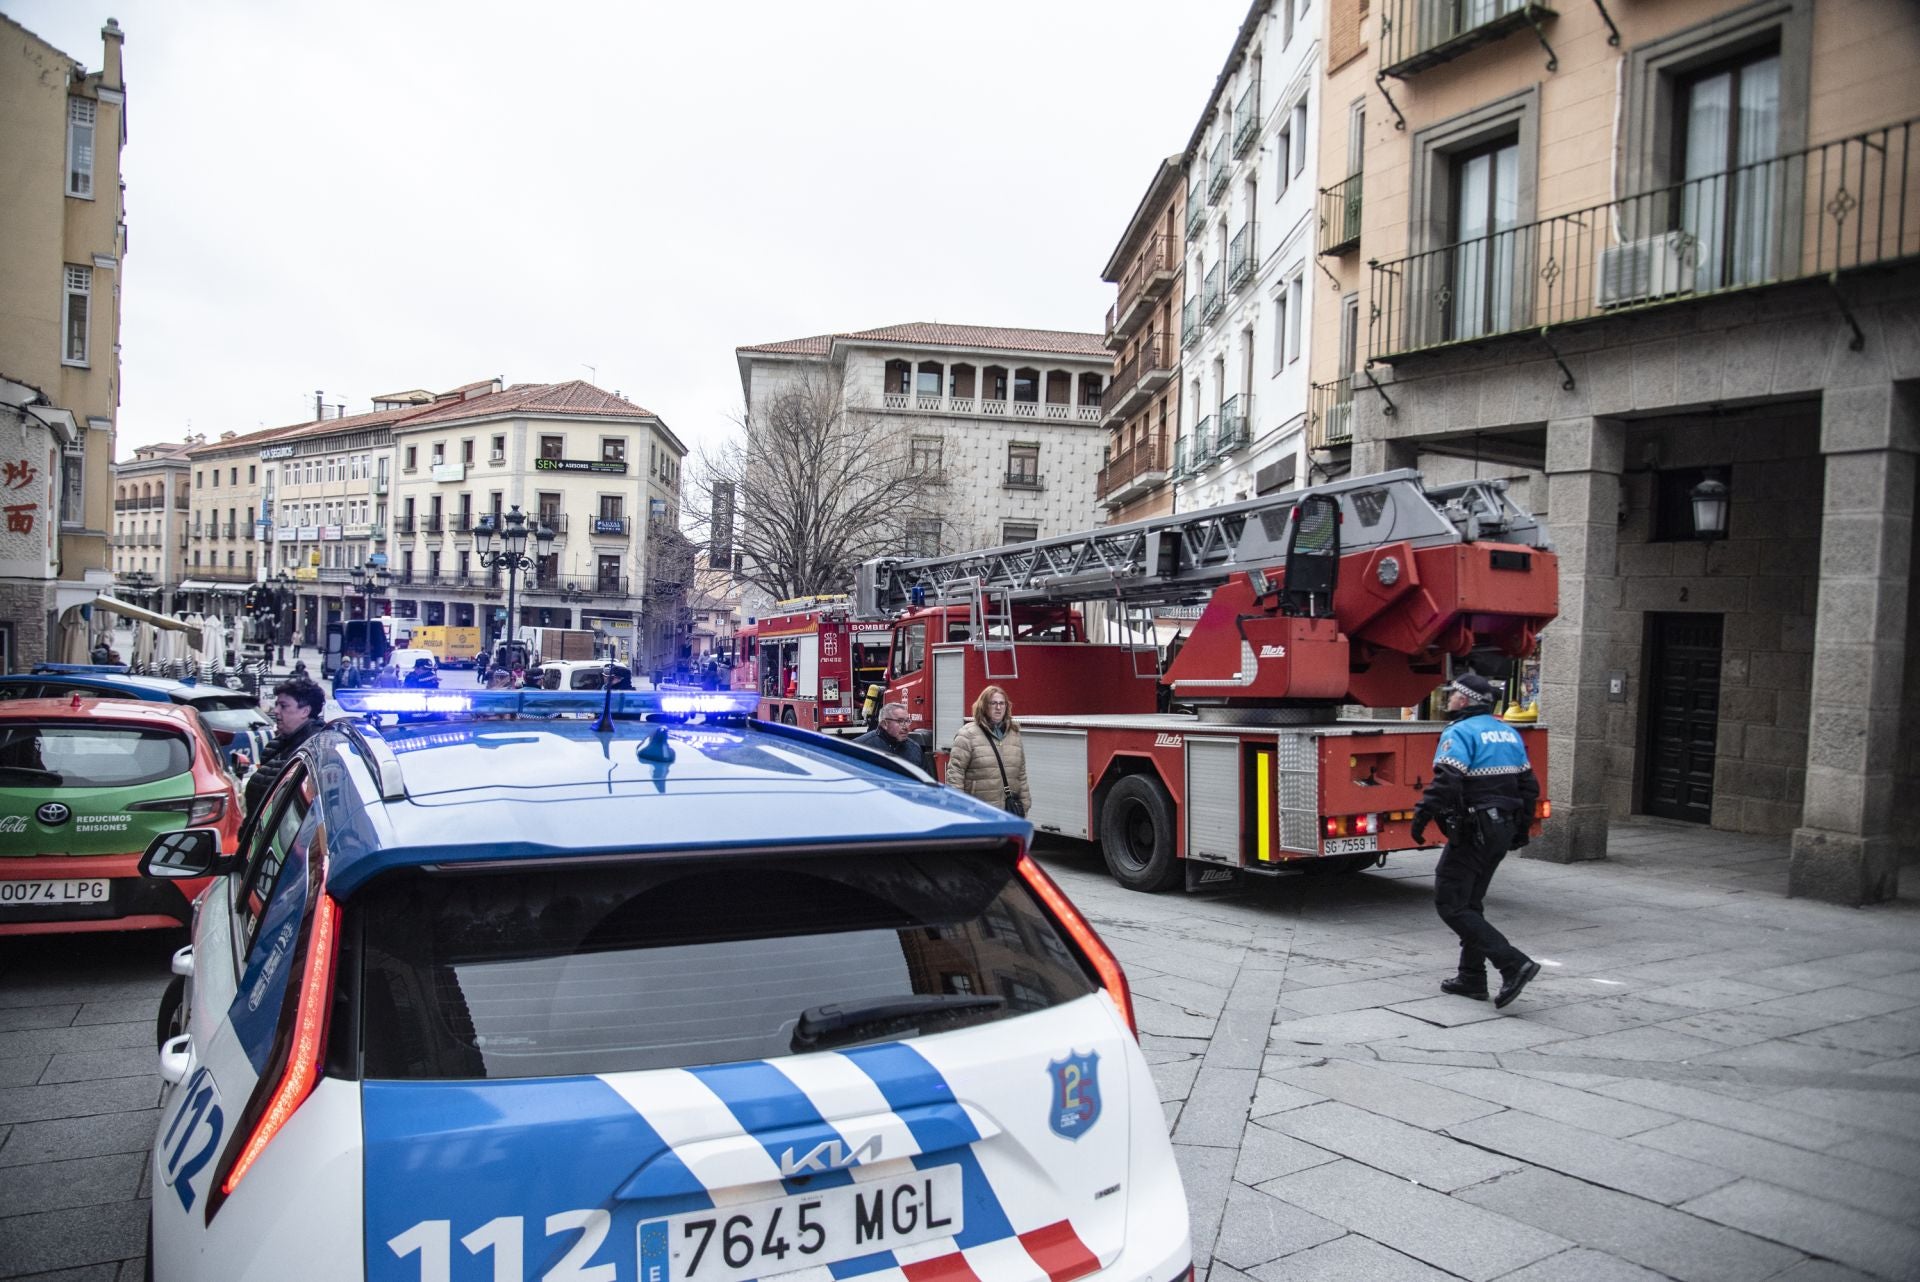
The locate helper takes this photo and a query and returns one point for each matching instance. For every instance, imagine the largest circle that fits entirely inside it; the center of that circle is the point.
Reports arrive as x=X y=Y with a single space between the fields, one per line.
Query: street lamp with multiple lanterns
x=511 y=529
x=369 y=579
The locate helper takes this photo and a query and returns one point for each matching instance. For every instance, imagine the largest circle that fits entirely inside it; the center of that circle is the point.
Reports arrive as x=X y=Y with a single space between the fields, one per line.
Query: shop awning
x=193 y=585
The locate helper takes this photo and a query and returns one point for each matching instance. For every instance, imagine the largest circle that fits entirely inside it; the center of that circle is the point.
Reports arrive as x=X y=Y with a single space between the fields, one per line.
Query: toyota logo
x=53 y=814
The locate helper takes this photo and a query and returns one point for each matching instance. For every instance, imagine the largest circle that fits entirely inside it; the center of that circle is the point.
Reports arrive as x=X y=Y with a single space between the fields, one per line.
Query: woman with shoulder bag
x=986 y=760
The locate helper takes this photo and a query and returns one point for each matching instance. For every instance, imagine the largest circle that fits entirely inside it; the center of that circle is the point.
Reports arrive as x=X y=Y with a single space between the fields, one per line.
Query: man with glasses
x=892 y=736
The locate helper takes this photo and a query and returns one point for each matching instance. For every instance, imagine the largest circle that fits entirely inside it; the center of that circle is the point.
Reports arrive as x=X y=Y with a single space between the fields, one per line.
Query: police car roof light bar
x=364 y=701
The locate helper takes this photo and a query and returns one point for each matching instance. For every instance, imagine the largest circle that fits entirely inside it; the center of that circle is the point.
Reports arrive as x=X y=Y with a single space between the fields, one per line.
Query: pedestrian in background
x=297 y=707
x=987 y=760
x=892 y=737
x=1482 y=796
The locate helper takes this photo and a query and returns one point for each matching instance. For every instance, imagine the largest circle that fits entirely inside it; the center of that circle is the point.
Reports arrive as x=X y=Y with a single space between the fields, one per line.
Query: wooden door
x=1683 y=715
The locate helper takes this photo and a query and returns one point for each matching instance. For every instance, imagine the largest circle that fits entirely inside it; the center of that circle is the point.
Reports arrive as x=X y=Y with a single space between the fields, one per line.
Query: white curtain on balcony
x=1734 y=198
x=1487 y=207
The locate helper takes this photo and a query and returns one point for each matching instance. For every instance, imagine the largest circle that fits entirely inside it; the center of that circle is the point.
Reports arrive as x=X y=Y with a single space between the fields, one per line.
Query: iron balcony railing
x=1240 y=258
x=1202 y=444
x=1189 y=322
x=1018 y=480
x=431 y=524
x=403 y=525
x=1212 y=297
x=1149 y=357
x=1145 y=277
x=1182 y=456
x=1417 y=34
x=1330 y=414
x=1196 y=206
x=1141 y=459
x=1246 y=120
x=1340 y=216
x=1217 y=174
x=1841 y=205
x=1236 y=413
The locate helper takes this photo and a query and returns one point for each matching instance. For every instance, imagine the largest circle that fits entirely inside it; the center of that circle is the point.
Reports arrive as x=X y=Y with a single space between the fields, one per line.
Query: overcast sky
x=363 y=197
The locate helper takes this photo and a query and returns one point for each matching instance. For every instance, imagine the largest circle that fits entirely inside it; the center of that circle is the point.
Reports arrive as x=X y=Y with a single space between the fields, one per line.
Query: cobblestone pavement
x=1708 y=1082
x=1711 y=1082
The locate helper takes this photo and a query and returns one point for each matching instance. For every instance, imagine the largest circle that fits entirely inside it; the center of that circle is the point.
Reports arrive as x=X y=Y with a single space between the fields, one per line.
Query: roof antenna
x=605 y=724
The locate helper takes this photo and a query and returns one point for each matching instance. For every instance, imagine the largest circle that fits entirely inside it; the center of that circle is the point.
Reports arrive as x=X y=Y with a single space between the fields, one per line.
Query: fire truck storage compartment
x=950 y=709
x=1213 y=800
x=1296 y=786
x=1057 y=777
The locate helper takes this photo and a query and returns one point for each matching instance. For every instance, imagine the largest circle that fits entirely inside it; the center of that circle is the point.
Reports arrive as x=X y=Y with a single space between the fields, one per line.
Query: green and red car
x=85 y=785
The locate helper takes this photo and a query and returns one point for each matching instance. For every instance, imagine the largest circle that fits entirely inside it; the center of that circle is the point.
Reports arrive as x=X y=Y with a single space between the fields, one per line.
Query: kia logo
x=53 y=814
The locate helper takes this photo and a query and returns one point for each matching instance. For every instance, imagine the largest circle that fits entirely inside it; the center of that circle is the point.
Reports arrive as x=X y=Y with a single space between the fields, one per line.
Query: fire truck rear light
x=1333 y=827
x=1368 y=823
x=1105 y=964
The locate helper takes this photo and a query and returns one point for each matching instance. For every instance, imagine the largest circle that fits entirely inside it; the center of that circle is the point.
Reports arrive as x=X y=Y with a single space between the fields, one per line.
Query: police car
x=628 y=987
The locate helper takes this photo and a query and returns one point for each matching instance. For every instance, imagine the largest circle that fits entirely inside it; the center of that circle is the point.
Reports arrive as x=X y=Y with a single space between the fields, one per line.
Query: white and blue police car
x=632 y=988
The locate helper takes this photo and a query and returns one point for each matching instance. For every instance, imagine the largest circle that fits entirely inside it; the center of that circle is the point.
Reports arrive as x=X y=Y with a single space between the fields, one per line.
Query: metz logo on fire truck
x=1165 y=740
x=1273 y=652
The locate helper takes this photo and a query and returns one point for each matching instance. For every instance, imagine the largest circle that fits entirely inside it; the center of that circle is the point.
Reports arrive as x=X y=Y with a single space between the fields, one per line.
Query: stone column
x=1383 y=456
x=1846 y=850
x=1584 y=459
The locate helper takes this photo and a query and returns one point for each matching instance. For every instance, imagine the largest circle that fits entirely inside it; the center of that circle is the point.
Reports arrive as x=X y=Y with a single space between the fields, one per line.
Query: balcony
x=578 y=585
x=403 y=524
x=432 y=523
x=1201 y=447
x=379 y=485
x=1134 y=471
x=1246 y=120
x=1240 y=258
x=1236 y=418
x=1340 y=216
x=1330 y=414
x=1196 y=208
x=1418 y=34
x=1145 y=282
x=1837 y=207
x=1020 y=480
x=227 y=530
x=1189 y=322
x=553 y=520
x=1213 y=298
x=1217 y=172
x=1139 y=377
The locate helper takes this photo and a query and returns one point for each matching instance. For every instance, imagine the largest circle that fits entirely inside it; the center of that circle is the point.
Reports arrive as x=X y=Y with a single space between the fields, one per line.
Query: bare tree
x=810 y=487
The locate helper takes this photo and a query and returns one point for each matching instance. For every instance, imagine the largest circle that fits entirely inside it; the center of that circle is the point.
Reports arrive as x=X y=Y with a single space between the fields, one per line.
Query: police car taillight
x=302 y=1071
x=1105 y=964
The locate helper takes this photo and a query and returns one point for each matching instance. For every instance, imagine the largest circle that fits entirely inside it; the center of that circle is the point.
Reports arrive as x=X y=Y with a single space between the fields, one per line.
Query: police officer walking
x=1482 y=796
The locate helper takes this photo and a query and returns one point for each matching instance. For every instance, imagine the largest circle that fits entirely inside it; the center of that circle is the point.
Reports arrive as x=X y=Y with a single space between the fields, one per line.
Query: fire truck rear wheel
x=787 y=718
x=1137 y=834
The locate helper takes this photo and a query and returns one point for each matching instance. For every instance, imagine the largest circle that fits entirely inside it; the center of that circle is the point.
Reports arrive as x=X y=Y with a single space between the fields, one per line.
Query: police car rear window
x=644 y=965
x=89 y=756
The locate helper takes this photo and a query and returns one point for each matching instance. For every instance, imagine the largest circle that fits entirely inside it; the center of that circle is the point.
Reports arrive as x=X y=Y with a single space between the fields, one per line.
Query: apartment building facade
x=229 y=539
x=1336 y=348
x=1011 y=418
x=152 y=514
x=569 y=455
x=1140 y=407
x=1251 y=282
x=1666 y=258
x=324 y=502
x=62 y=129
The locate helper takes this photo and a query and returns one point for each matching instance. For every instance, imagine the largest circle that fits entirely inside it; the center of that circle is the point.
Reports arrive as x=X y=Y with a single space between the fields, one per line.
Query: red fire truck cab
x=816 y=660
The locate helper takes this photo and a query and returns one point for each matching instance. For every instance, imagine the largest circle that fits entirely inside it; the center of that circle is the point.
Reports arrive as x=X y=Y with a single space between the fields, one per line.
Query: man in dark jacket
x=892 y=738
x=1482 y=796
x=297 y=707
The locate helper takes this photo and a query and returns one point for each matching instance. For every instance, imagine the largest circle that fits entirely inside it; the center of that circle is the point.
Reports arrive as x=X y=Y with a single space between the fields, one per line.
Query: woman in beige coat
x=972 y=765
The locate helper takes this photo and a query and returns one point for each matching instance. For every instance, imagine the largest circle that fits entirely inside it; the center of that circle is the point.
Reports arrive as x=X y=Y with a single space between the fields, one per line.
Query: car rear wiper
x=34 y=772
x=838 y=1020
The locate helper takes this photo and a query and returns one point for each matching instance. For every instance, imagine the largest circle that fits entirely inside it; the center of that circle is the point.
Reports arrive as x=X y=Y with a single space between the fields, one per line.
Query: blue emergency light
x=366 y=701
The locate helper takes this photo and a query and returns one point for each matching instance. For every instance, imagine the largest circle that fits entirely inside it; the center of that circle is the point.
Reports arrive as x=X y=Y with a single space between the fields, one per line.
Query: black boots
x=1461 y=986
x=1514 y=980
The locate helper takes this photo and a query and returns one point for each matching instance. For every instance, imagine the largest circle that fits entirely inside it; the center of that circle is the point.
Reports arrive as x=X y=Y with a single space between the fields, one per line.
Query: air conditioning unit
x=1640 y=271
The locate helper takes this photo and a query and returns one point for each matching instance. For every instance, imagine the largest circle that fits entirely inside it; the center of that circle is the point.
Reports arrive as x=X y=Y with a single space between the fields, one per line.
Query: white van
x=583 y=674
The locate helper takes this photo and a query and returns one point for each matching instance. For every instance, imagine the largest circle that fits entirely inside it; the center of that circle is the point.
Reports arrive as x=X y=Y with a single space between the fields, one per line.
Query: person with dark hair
x=298 y=704
x=1482 y=796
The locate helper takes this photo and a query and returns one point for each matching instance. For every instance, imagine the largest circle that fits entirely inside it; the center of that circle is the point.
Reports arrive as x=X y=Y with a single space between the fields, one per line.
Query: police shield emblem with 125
x=1076 y=1094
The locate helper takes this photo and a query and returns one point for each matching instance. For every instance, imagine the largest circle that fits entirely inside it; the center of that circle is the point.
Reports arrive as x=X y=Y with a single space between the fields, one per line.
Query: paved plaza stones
x=1711 y=1082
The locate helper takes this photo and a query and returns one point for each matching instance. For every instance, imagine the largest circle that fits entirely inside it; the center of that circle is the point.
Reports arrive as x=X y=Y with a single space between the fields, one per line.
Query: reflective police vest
x=1480 y=746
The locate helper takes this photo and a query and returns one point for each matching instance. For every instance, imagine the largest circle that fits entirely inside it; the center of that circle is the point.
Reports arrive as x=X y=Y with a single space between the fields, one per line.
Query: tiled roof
x=933 y=334
x=576 y=397
x=294 y=431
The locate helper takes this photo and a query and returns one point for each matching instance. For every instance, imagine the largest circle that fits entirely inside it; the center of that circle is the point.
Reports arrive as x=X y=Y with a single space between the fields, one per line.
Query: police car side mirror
x=192 y=852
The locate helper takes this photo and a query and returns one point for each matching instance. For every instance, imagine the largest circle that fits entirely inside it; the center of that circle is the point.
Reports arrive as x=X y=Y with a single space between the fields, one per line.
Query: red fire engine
x=743 y=672
x=816 y=660
x=1231 y=756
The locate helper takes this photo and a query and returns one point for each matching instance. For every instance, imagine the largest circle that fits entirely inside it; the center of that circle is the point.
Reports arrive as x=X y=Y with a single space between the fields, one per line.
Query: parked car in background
x=761 y=1001
x=583 y=674
x=85 y=785
x=402 y=664
x=234 y=716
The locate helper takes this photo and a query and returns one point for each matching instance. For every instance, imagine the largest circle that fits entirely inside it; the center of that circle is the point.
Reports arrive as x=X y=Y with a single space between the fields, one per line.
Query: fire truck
x=1225 y=753
x=816 y=659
